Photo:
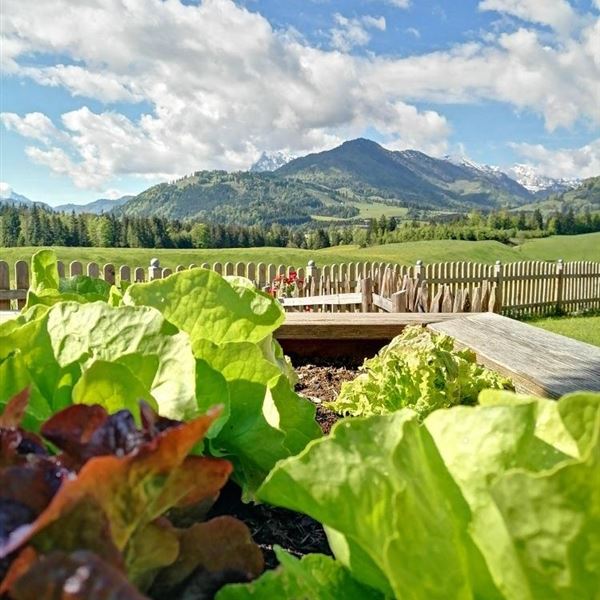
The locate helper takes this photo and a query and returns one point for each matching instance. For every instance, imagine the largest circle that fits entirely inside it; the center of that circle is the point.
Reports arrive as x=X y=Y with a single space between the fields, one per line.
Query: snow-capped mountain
x=271 y=161
x=463 y=161
x=9 y=196
x=539 y=184
x=490 y=173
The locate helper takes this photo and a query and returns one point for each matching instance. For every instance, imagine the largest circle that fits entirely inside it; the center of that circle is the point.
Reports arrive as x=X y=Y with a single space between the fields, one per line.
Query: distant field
x=567 y=247
x=584 y=329
x=583 y=247
x=368 y=210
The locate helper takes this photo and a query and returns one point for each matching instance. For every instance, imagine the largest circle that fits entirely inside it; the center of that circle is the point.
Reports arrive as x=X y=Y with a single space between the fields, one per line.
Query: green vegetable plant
x=500 y=500
x=48 y=288
x=92 y=521
x=230 y=325
x=182 y=344
x=419 y=369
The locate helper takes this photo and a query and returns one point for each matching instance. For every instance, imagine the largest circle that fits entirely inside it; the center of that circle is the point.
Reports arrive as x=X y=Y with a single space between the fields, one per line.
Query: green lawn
x=583 y=247
x=584 y=329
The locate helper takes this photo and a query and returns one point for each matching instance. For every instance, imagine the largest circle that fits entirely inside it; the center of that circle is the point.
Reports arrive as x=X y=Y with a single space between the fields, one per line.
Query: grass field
x=582 y=247
x=584 y=329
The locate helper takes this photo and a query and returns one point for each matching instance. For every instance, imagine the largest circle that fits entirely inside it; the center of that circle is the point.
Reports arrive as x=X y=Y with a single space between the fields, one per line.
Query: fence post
x=499 y=276
x=311 y=269
x=154 y=270
x=418 y=270
x=366 y=289
x=559 y=283
x=312 y=277
x=399 y=301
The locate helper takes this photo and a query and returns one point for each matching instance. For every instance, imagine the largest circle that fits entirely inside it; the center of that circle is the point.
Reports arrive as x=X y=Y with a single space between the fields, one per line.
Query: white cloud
x=349 y=33
x=81 y=82
x=558 y=14
x=413 y=31
x=222 y=85
x=5 y=190
x=113 y=194
x=566 y=162
x=36 y=126
x=401 y=3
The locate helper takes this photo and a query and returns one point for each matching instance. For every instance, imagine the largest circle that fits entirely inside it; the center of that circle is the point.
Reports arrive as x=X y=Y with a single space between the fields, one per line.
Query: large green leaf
x=206 y=306
x=494 y=501
x=47 y=288
x=70 y=337
x=44 y=271
x=267 y=419
x=377 y=483
x=315 y=577
x=239 y=364
x=112 y=386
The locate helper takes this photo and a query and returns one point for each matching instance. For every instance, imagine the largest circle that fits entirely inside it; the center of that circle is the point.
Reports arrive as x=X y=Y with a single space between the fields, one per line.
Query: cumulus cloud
x=5 y=190
x=36 y=126
x=566 y=162
x=557 y=14
x=222 y=84
x=349 y=33
x=401 y=3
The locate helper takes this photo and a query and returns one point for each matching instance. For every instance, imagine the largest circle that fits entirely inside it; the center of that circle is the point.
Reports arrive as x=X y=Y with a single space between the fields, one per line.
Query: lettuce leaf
x=419 y=369
x=47 y=288
x=495 y=501
x=54 y=351
x=314 y=577
x=231 y=325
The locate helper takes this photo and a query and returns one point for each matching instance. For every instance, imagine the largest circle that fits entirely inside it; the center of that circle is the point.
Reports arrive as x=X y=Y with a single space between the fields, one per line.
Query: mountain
x=584 y=197
x=9 y=196
x=242 y=198
x=270 y=161
x=408 y=177
x=340 y=183
x=540 y=185
x=102 y=205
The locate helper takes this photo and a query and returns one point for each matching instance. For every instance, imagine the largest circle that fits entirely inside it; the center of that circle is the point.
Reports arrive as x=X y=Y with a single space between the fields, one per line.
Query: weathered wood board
x=359 y=326
x=538 y=361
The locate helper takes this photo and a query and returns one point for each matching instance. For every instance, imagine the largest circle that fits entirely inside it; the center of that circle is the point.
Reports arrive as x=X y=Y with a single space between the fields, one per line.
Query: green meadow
x=579 y=247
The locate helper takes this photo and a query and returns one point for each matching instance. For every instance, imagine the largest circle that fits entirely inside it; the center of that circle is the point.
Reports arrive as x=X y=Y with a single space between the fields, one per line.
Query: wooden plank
x=374 y=326
x=4 y=286
x=22 y=280
x=7 y=295
x=383 y=303
x=350 y=298
x=538 y=361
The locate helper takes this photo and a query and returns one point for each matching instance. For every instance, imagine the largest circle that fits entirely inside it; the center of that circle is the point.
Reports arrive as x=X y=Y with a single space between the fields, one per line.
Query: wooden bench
x=539 y=362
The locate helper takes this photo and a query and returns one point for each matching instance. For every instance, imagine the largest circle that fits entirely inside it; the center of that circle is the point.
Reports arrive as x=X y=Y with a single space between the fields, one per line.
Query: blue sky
x=113 y=96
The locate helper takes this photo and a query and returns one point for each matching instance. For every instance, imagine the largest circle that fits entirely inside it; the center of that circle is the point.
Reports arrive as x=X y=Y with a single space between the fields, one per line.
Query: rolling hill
x=585 y=197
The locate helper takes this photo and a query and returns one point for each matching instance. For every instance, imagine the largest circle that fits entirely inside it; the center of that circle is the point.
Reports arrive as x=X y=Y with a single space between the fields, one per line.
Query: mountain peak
x=271 y=161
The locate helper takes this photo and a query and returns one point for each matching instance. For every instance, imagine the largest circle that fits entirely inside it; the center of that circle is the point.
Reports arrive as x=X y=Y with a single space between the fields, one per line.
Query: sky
x=101 y=98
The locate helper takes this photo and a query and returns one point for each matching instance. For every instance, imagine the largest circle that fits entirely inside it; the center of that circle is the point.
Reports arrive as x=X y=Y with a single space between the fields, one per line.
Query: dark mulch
x=270 y=526
x=321 y=382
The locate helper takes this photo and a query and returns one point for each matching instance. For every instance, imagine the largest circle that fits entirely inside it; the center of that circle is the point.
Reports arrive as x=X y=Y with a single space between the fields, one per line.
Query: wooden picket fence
x=516 y=289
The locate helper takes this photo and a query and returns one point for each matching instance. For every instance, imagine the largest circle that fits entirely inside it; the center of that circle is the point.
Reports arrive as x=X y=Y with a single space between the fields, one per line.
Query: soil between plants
x=270 y=526
x=321 y=382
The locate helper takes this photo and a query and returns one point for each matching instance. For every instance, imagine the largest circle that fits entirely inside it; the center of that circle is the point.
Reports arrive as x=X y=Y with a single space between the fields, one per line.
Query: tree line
x=36 y=226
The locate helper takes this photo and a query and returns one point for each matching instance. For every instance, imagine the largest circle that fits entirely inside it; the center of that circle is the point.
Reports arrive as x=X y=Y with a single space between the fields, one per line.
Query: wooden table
x=538 y=361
